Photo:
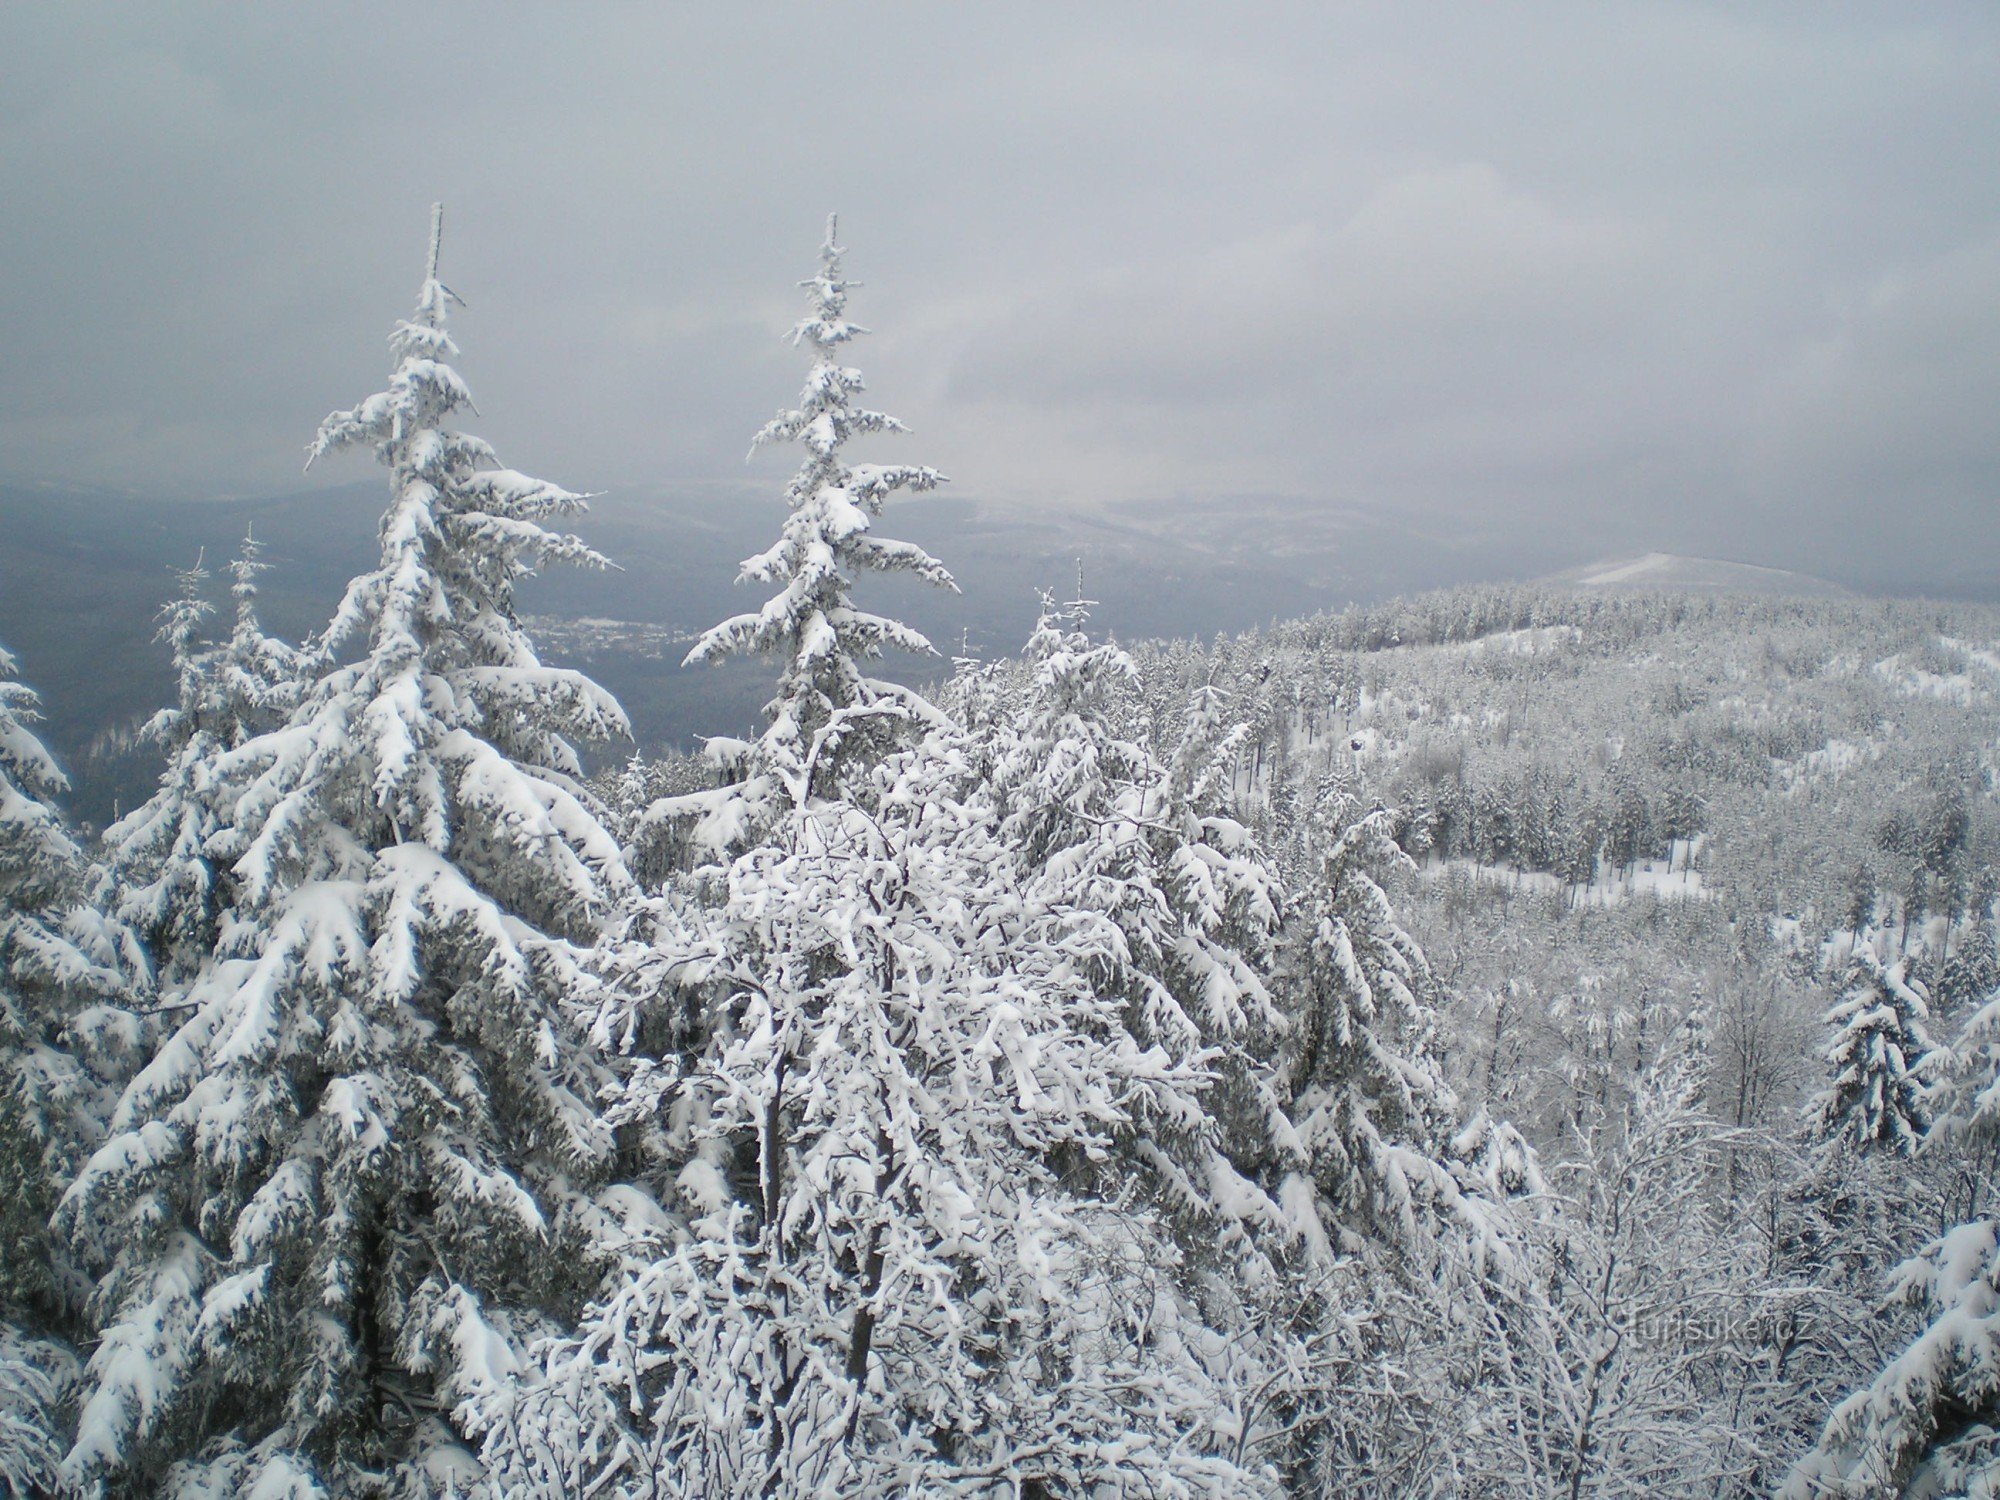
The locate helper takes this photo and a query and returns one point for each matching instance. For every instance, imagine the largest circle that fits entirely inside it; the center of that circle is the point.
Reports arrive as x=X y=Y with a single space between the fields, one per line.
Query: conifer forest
x=1507 y=1041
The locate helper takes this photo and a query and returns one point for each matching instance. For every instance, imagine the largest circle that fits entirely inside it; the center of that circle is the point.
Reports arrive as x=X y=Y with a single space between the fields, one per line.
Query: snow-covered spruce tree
x=1929 y=1421
x=165 y=873
x=1969 y=975
x=1869 y=1193
x=54 y=979
x=1427 y=1251
x=1874 y=1101
x=879 y=1281
x=356 y=1181
x=1374 y=1114
x=1833 y=1225
x=1099 y=824
x=828 y=713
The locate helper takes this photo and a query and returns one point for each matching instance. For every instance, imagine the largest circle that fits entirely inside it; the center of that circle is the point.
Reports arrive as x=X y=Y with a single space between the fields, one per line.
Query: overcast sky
x=1718 y=278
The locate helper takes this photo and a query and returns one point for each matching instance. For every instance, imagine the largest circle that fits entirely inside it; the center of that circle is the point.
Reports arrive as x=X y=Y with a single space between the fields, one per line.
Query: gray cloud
x=1721 y=278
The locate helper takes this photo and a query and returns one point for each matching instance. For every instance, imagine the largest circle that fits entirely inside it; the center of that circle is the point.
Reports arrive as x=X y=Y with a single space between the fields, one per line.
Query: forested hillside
x=1528 y=1041
x=1674 y=794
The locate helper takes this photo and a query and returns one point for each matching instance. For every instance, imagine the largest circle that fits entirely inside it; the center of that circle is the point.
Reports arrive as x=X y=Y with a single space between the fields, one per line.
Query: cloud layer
x=1708 y=278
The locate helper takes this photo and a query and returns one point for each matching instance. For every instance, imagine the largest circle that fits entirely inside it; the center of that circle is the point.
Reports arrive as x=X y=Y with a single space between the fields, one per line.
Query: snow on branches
x=166 y=871
x=355 y=1180
x=1874 y=1100
x=880 y=1281
x=828 y=712
x=55 y=975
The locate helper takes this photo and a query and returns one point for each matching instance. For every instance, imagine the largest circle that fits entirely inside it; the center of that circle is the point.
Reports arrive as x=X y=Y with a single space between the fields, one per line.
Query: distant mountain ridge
x=1670 y=571
x=83 y=574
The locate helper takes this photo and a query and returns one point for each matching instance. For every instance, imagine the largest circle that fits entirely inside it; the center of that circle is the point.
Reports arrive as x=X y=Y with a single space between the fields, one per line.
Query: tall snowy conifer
x=1929 y=1423
x=828 y=713
x=1874 y=1100
x=53 y=976
x=355 y=1181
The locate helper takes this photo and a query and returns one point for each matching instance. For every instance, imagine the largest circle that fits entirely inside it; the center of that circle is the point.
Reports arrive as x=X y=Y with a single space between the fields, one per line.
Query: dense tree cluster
x=1062 y=1083
x=1771 y=819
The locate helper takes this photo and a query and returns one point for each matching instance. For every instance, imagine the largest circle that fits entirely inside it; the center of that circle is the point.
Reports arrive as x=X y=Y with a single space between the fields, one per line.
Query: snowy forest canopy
x=1509 y=1042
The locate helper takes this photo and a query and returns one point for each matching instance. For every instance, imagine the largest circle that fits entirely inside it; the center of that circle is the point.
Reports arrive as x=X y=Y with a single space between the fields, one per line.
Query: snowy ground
x=1663 y=879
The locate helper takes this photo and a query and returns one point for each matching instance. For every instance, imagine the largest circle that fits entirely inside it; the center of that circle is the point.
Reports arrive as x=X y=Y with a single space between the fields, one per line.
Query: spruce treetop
x=447 y=661
x=812 y=624
x=163 y=878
